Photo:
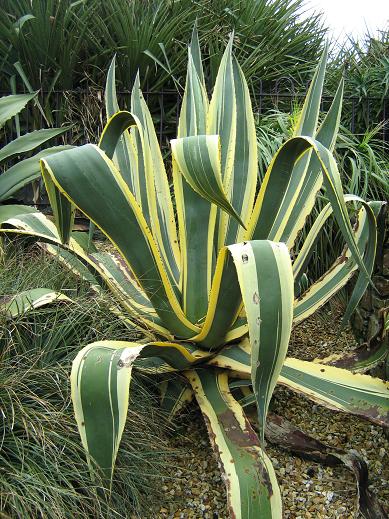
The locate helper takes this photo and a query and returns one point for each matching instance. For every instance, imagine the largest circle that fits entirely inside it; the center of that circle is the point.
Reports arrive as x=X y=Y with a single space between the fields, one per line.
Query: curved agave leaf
x=261 y=275
x=138 y=156
x=27 y=220
x=225 y=301
x=342 y=270
x=243 y=179
x=196 y=216
x=266 y=281
x=338 y=275
x=100 y=379
x=307 y=249
x=12 y=105
x=125 y=153
x=313 y=178
x=160 y=207
x=221 y=116
x=9 y=211
x=279 y=181
x=116 y=126
x=113 y=271
x=24 y=172
x=335 y=388
x=359 y=360
x=99 y=282
x=305 y=174
x=92 y=169
x=309 y=116
x=30 y=141
x=339 y=389
x=63 y=210
x=373 y=210
x=72 y=263
x=27 y=300
x=231 y=117
x=198 y=158
x=118 y=278
x=116 y=135
x=252 y=488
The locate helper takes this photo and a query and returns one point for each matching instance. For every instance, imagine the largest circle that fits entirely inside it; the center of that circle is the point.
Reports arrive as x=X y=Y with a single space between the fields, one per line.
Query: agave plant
x=208 y=270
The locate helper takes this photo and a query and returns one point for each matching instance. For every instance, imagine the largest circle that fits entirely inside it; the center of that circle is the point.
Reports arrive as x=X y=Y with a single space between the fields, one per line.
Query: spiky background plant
x=63 y=48
x=366 y=71
x=217 y=289
x=65 y=44
x=362 y=163
x=16 y=176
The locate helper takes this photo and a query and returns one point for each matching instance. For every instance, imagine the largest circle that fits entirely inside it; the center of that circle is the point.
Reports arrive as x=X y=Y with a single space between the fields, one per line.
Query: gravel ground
x=194 y=488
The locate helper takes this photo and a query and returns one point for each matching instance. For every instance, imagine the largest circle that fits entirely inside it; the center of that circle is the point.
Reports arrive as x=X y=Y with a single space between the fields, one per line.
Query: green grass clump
x=362 y=159
x=43 y=472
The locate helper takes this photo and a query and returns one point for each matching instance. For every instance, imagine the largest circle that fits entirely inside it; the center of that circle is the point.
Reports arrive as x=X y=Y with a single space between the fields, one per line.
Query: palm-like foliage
x=46 y=38
x=57 y=45
x=60 y=43
x=218 y=287
x=272 y=38
x=367 y=79
x=14 y=178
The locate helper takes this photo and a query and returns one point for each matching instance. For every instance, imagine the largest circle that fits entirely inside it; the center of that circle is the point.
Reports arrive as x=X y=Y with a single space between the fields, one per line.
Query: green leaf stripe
x=29 y=142
x=24 y=172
